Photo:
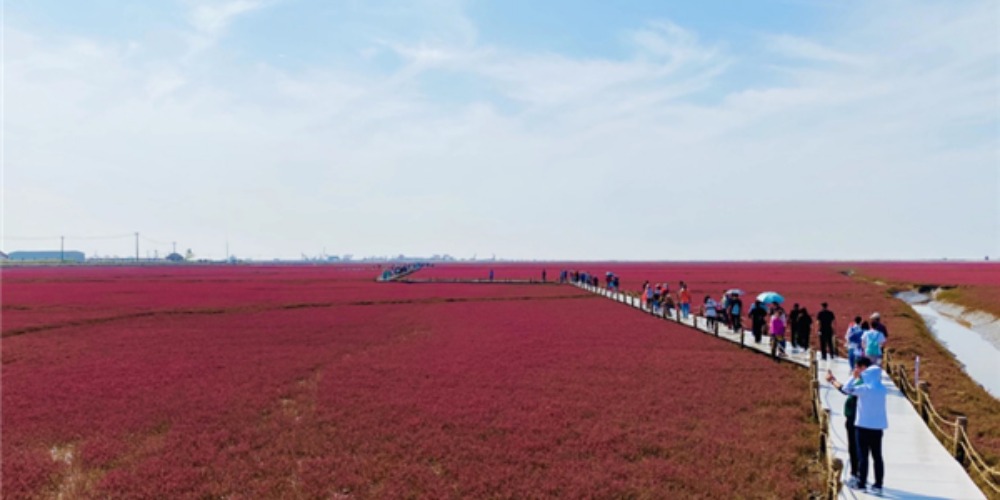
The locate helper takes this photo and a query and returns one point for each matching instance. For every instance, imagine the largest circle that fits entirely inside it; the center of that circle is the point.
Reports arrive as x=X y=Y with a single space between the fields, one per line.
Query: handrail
x=955 y=437
x=834 y=466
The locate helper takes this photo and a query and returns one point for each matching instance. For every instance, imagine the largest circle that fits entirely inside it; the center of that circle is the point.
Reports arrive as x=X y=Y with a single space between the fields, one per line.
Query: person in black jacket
x=803 y=327
x=826 y=320
x=758 y=318
x=793 y=325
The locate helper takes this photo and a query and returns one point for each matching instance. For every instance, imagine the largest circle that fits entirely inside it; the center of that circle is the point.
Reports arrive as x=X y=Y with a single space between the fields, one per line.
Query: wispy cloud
x=809 y=50
x=211 y=19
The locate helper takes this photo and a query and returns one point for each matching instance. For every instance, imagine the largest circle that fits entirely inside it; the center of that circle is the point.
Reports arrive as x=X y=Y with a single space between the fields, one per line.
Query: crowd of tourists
x=865 y=407
x=767 y=317
x=398 y=270
x=611 y=281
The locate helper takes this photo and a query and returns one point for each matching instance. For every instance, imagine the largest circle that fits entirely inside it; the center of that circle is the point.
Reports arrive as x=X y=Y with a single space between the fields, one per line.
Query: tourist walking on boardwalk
x=724 y=309
x=852 y=339
x=735 y=311
x=777 y=327
x=758 y=320
x=657 y=296
x=491 y=275
x=826 y=320
x=872 y=341
x=684 y=298
x=870 y=421
x=850 y=413
x=803 y=329
x=876 y=322
x=544 y=276
x=709 y=309
x=793 y=324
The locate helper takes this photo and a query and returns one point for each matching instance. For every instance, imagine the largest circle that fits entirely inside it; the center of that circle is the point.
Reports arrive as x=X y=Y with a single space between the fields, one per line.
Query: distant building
x=4 y=256
x=175 y=257
x=47 y=256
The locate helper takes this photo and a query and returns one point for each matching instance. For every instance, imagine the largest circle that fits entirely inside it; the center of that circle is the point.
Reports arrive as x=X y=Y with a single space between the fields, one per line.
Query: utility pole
x=62 y=249
x=137 y=247
x=175 y=247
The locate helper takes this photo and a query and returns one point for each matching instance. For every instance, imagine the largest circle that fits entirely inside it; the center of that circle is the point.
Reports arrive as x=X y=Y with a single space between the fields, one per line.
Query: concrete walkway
x=724 y=332
x=917 y=465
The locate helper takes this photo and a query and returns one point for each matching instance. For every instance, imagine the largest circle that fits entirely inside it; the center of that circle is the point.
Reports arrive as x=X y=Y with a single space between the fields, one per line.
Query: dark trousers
x=852 y=445
x=826 y=344
x=869 y=443
x=801 y=338
x=758 y=331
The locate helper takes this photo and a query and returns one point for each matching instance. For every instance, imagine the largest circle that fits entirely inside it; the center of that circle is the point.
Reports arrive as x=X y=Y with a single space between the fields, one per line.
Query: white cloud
x=802 y=48
x=211 y=19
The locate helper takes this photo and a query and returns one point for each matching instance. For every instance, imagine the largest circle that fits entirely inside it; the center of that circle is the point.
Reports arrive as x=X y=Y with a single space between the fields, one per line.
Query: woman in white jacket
x=870 y=421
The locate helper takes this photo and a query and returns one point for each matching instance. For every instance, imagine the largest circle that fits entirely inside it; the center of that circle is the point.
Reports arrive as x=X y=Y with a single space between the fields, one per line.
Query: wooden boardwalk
x=917 y=465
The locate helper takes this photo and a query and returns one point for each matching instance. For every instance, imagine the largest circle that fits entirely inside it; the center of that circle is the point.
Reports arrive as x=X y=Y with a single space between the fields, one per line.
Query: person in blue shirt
x=870 y=420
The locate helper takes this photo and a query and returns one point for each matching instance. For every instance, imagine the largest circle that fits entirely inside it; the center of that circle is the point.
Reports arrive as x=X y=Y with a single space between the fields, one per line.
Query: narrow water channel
x=980 y=357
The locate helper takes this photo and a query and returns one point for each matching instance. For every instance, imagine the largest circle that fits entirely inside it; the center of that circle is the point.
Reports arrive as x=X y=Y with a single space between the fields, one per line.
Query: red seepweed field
x=973 y=284
x=318 y=382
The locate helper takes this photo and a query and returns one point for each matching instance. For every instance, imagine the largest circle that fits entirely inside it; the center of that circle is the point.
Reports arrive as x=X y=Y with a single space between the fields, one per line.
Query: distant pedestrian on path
x=877 y=324
x=758 y=320
x=710 y=311
x=827 y=321
x=735 y=313
x=852 y=339
x=724 y=309
x=491 y=275
x=544 y=276
x=684 y=298
x=803 y=329
x=777 y=328
x=869 y=423
x=793 y=324
x=873 y=343
x=668 y=305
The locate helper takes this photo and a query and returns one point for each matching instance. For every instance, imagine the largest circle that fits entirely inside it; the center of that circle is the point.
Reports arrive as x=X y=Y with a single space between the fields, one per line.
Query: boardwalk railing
x=954 y=435
x=834 y=466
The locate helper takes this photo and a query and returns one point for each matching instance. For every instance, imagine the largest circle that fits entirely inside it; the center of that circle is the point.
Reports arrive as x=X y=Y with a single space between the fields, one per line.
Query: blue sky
x=808 y=130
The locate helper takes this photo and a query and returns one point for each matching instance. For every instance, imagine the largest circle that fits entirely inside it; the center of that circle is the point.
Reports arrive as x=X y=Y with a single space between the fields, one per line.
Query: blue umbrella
x=770 y=298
